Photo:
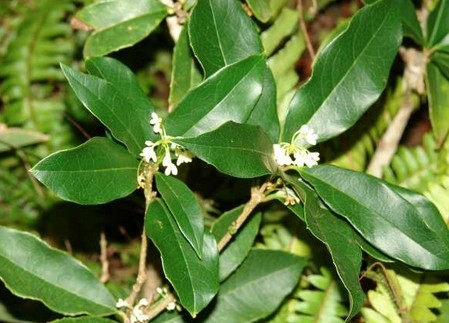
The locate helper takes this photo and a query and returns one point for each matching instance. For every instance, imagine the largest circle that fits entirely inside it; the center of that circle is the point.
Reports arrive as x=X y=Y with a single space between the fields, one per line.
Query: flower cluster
x=164 y=148
x=137 y=313
x=295 y=153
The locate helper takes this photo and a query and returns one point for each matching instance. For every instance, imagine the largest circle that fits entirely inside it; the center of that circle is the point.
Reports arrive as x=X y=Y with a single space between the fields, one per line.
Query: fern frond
x=437 y=192
x=31 y=78
x=403 y=296
x=415 y=167
x=321 y=301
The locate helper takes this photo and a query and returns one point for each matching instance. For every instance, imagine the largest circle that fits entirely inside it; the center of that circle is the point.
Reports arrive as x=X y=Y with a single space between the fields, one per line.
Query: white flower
x=304 y=157
x=138 y=316
x=171 y=306
x=170 y=168
x=281 y=156
x=183 y=157
x=148 y=152
x=306 y=134
x=312 y=159
x=121 y=303
x=143 y=302
x=156 y=121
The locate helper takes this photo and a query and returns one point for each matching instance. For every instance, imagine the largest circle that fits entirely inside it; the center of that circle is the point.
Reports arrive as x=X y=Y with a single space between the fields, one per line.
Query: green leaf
x=229 y=95
x=410 y=23
x=340 y=240
x=261 y=9
x=221 y=33
x=437 y=87
x=119 y=24
x=441 y=59
x=95 y=172
x=185 y=209
x=184 y=73
x=112 y=94
x=257 y=287
x=195 y=281
x=349 y=74
x=237 y=250
x=168 y=317
x=31 y=269
x=321 y=301
x=284 y=25
x=84 y=319
x=235 y=149
x=385 y=216
x=264 y=113
x=13 y=138
x=438 y=23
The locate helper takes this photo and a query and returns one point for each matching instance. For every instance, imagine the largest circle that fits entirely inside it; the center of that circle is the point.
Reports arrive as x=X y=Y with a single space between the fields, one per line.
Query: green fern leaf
x=322 y=302
x=403 y=296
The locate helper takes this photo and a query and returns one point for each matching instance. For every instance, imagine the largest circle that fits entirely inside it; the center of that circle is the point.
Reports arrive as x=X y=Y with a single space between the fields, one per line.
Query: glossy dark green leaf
x=437 y=89
x=229 y=95
x=95 y=172
x=391 y=222
x=185 y=209
x=340 y=240
x=257 y=287
x=112 y=94
x=169 y=317
x=14 y=138
x=410 y=23
x=237 y=250
x=441 y=59
x=438 y=23
x=349 y=74
x=235 y=149
x=184 y=73
x=195 y=281
x=83 y=319
x=265 y=113
x=119 y=23
x=221 y=33
x=298 y=210
x=261 y=9
x=31 y=269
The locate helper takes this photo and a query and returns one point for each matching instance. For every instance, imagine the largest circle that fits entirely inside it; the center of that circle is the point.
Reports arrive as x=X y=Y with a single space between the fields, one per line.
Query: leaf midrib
x=256 y=63
x=217 y=34
x=112 y=111
x=49 y=283
x=146 y=15
x=256 y=281
x=380 y=216
x=352 y=66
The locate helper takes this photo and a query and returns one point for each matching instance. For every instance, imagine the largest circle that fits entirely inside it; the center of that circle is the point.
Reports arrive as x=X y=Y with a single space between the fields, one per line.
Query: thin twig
x=412 y=81
x=160 y=307
x=303 y=26
x=388 y=144
x=257 y=196
x=104 y=258
x=142 y=275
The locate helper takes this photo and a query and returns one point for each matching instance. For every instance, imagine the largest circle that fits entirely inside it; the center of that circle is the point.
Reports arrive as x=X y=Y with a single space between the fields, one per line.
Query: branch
x=413 y=81
x=104 y=258
x=303 y=26
x=257 y=196
x=160 y=307
x=148 y=173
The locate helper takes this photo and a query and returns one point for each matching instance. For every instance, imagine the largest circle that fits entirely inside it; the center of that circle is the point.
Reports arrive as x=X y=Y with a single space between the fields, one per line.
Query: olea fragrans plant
x=230 y=121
